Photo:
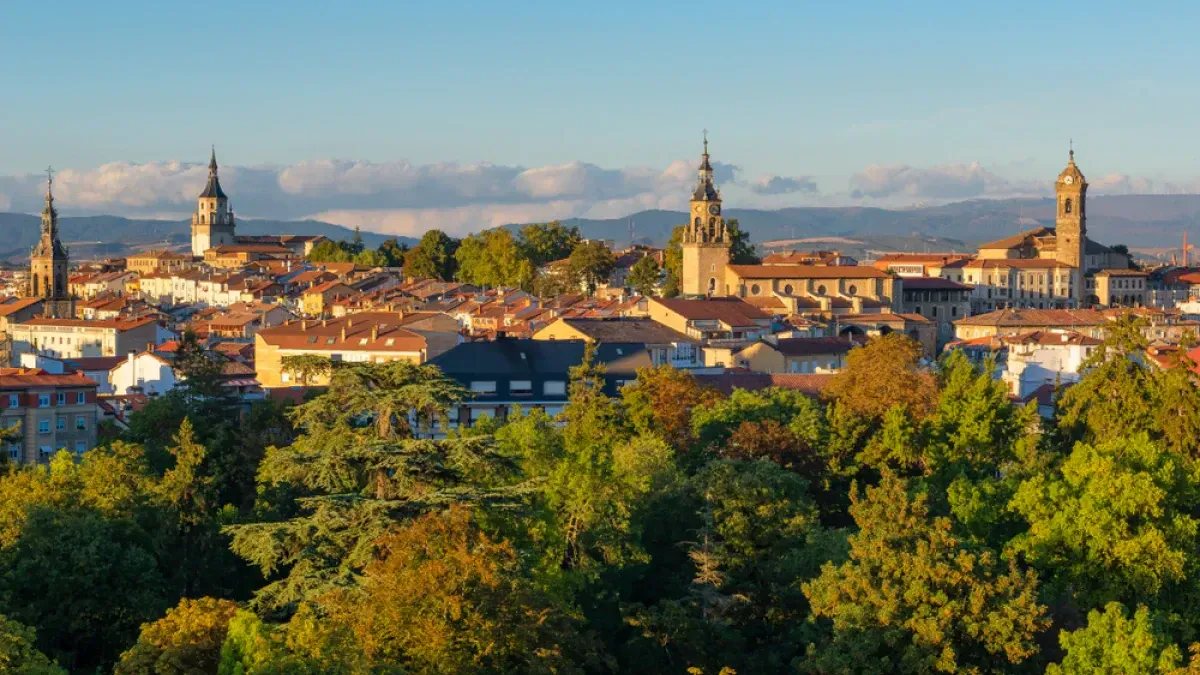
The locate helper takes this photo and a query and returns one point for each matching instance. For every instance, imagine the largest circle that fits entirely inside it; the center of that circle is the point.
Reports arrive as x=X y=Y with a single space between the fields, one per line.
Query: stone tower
x=49 y=263
x=1071 y=217
x=705 y=241
x=212 y=223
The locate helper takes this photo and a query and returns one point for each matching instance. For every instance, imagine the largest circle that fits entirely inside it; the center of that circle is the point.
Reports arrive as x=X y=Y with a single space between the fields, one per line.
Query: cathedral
x=49 y=264
x=212 y=223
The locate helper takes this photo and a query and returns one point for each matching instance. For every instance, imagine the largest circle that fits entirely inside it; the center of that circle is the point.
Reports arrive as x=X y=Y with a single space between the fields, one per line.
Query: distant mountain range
x=1148 y=223
x=1142 y=222
x=92 y=237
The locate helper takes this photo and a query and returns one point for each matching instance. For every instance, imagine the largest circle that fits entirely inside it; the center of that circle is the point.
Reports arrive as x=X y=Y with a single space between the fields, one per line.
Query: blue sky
x=818 y=90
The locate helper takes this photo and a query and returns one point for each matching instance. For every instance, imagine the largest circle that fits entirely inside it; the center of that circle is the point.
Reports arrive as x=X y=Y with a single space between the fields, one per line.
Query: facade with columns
x=49 y=263
x=213 y=223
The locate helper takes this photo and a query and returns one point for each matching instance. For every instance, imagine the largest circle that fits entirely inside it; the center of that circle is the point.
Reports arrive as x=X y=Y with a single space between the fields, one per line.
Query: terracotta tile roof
x=1017 y=263
x=17 y=304
x=732 y=311
x=923 y=258
x=22 y=378
x=807 y=272
x=1050 y=338
x=117 y=324
x=1018 y=239
x=1035 y=318
x=365 y=331
x=808 y=384
x=1121 y=273
x=327 y=286
x=620 y=329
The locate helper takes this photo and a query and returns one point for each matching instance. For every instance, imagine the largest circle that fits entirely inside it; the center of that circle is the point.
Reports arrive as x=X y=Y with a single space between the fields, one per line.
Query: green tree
x=433 y=257
x=1114 y=642
x=370 y=258
x=18 y=653
x=645 y=276
x=330 y=252
x=1114 y=523
x=914 y=599
x=305 y=368
x=393 y=252
x=884 y=373
x=591 y=263
x=673 y=263
x=662 y=400
x=362 y=473
x=547 y=242
x=186 y=641
x=493 y=258
x=741 y=251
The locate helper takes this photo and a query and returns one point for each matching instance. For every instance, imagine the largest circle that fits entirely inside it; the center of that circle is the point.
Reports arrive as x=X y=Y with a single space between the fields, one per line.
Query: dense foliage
x=913 y=520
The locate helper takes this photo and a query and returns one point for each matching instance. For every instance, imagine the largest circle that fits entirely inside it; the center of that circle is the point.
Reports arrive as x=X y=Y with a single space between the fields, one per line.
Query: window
x=81 y=397
x=787 y=289
x=60 y=424
x=555 y=388
x=853 y=290
x=483 y=388
x=953 y=311
x=1067 y=207
x=14 y=401
x=820 y=290
x=45 y=451
x=80 y=447
x=755 y=290
x=61 y=398
x=43 y=400
x=520 y=387
x=286 y=377
x=43 y=426
x=81 y=422
x=14 y=452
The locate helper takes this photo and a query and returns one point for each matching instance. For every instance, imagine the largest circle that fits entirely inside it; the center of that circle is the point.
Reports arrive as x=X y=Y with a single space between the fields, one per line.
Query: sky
x=403 y=116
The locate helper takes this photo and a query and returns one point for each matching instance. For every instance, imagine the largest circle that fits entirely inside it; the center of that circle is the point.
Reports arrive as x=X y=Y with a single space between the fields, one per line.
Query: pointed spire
x=212 y=163
x=705 y=166
x=1071 y=145
x=49 y=184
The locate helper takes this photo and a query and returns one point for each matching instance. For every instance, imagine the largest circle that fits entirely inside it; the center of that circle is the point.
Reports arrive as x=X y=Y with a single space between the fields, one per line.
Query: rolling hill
x=91 y=237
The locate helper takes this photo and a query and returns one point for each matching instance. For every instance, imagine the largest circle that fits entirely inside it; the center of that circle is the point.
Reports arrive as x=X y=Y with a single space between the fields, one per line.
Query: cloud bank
x=405 y=198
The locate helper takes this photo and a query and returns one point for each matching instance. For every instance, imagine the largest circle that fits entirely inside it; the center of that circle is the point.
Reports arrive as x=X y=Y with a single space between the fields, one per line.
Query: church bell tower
x=1071 y=217
x=705 y=241
x=49 y=264
x=212 y=223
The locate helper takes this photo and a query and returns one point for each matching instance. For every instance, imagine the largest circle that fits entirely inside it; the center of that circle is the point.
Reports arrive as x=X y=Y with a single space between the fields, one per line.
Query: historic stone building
x=1045 y=268
x=706 y=241
x=212 y=223
x=49 y=263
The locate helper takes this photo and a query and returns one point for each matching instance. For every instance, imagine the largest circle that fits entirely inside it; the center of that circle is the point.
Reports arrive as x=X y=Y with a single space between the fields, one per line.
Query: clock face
x=1069 y=179
x=714 y=209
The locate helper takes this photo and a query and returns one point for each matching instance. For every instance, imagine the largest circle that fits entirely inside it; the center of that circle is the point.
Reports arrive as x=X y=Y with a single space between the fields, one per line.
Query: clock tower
x=705 y=241
x=1071 y=217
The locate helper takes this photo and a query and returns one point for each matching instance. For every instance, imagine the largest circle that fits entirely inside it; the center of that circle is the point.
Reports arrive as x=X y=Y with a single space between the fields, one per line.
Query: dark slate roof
x=213 y=189
x=807 y=384
x=524 y=357
x=643 y=331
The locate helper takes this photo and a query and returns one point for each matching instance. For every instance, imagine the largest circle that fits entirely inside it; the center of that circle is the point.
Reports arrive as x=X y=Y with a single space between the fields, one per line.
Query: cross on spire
x=706 y=141
x=1071 y=145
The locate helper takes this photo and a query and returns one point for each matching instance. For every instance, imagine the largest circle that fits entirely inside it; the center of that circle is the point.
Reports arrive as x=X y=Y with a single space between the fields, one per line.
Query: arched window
x=1067 y=206
x=820 y=290
x=36 y=291
x=787 y=289
x=697 y=222
x=853 y=290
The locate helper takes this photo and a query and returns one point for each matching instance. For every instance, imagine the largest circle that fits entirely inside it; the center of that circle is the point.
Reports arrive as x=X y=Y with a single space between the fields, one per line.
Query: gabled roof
x=1018 y=239
x=1035 y=318
x=732 y=311
x=22 y=378
x=529 y=358
x=620 y=329
x=807 y=272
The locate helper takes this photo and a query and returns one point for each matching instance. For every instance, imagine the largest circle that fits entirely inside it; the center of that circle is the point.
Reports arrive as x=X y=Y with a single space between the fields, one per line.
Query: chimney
x=343 y=333
x=374 y=332
x=132 y=369
x=324 y=322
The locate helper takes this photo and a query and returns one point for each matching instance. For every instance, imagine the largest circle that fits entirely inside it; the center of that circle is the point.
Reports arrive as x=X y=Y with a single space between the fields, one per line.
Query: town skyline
x=437 y=115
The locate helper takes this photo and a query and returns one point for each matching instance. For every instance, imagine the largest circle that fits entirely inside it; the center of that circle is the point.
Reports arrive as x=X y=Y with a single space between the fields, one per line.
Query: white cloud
x=950 y=181
x=782 y=185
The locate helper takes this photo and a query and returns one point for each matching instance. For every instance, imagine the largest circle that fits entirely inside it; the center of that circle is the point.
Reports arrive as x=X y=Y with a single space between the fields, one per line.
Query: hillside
x=1140 y=221
x=101 y=236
